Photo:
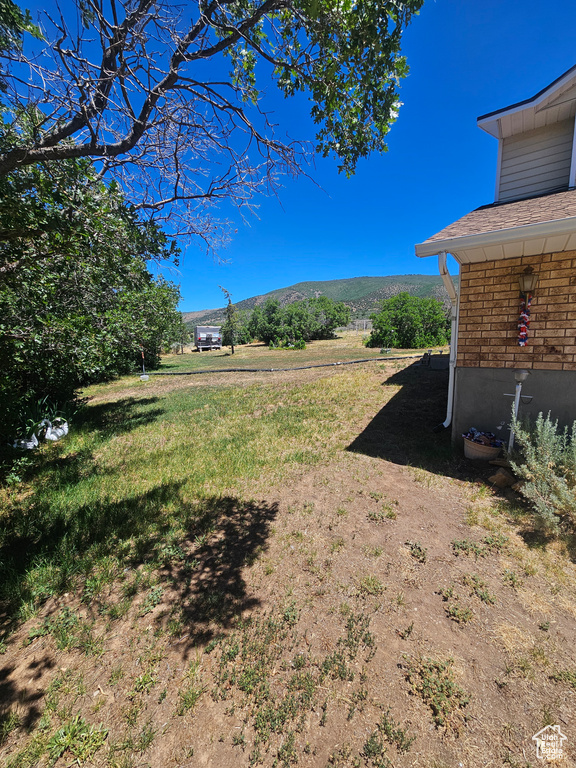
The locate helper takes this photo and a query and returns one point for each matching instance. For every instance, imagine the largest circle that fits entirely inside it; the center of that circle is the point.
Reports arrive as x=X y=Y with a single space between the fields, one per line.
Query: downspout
x=449 y=285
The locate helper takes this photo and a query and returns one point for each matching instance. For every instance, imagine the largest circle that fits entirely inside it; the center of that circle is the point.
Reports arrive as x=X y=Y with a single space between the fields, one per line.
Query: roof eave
x=496 y=245
x=490 y=122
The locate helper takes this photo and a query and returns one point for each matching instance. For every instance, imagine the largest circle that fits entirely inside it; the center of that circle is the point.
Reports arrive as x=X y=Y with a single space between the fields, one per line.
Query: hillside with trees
x=362 y=295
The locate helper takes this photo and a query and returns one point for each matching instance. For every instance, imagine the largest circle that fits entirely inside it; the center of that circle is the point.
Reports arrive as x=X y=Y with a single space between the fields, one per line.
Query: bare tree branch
x=163 y=96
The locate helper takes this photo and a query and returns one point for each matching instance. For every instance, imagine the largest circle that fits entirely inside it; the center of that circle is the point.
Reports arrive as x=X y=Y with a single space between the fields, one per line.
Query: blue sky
x=466 y=59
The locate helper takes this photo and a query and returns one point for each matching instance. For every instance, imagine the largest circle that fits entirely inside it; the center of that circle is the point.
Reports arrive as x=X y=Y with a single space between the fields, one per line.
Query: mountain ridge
x=361 y=294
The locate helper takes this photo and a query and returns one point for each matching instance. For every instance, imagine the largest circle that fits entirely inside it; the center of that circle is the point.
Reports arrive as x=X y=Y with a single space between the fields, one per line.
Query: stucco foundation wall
x=480 y=398
x=489 y=311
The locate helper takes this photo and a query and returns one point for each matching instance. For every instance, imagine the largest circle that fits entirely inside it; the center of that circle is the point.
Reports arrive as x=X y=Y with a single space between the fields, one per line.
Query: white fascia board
x=497 y=237
x=491 y=125
x=572 y=178
x=491 y=122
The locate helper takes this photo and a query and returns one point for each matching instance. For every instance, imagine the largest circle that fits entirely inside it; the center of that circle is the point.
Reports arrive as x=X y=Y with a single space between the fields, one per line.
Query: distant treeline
x=362 y=295
x=404 y=321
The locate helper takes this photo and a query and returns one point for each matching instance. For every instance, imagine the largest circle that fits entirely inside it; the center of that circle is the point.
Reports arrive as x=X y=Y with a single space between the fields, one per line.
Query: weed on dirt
x=490 y=544
x=433 y=681
x=417 y=551
x=278 y=690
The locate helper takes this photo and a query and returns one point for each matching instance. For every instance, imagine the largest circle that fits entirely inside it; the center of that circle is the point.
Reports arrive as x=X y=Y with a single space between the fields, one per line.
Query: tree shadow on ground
x=198 y=551
x=28 y=700
x=67 y=541
x=212 y=592
x=119 y=416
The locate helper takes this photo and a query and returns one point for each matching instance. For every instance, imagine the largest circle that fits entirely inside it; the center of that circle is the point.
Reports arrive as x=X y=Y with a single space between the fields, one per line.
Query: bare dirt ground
x=368 y=612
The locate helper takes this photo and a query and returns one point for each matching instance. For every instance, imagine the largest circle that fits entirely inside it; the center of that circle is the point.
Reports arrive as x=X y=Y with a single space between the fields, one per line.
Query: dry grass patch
x=206 y=575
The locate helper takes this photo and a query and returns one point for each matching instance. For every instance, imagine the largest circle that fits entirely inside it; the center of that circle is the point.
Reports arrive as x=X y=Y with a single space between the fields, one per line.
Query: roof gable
x=535 y=209
x=550 y=105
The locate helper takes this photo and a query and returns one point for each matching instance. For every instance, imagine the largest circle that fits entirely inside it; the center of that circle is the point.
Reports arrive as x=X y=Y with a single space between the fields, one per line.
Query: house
x=516 y=306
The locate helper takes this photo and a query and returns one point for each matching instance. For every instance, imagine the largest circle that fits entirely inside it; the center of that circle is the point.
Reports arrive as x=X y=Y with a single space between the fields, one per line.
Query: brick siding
x=490 y=308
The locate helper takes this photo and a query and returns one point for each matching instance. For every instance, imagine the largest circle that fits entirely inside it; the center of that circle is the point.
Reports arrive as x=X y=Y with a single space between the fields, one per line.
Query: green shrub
x=410 y=322
x=548 y=468
x=78 y=303
x=285 y=343
x=298 y=322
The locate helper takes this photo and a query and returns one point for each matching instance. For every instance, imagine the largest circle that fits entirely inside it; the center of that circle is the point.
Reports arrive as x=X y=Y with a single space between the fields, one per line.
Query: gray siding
x=536 y=161
x=481 y=399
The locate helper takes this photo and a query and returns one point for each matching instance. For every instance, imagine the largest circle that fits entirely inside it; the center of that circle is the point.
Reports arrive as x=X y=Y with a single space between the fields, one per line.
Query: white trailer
x=207 y=337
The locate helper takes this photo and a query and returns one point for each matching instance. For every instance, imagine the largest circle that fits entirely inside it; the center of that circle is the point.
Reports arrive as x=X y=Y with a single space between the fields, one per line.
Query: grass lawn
x=275 y=568
x=348 y=346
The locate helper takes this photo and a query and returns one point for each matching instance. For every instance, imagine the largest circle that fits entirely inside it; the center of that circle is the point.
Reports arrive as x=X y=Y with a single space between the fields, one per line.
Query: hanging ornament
x=524 y=322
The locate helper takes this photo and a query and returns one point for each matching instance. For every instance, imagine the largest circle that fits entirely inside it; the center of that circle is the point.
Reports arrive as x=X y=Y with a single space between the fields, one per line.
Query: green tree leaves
x=300 y=321
x=409 y=322
x=231 y=328
x=162 y=113
x=77 y=300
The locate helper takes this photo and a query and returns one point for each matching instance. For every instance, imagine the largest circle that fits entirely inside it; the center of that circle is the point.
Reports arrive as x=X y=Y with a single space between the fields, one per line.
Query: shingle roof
x=499 y=216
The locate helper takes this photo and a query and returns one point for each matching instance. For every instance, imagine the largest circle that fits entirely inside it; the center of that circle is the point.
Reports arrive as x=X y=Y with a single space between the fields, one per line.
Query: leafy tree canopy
x=409 y=322
x=13 y=23
x=166 y=95
x=300 y=321
x=77 y=301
